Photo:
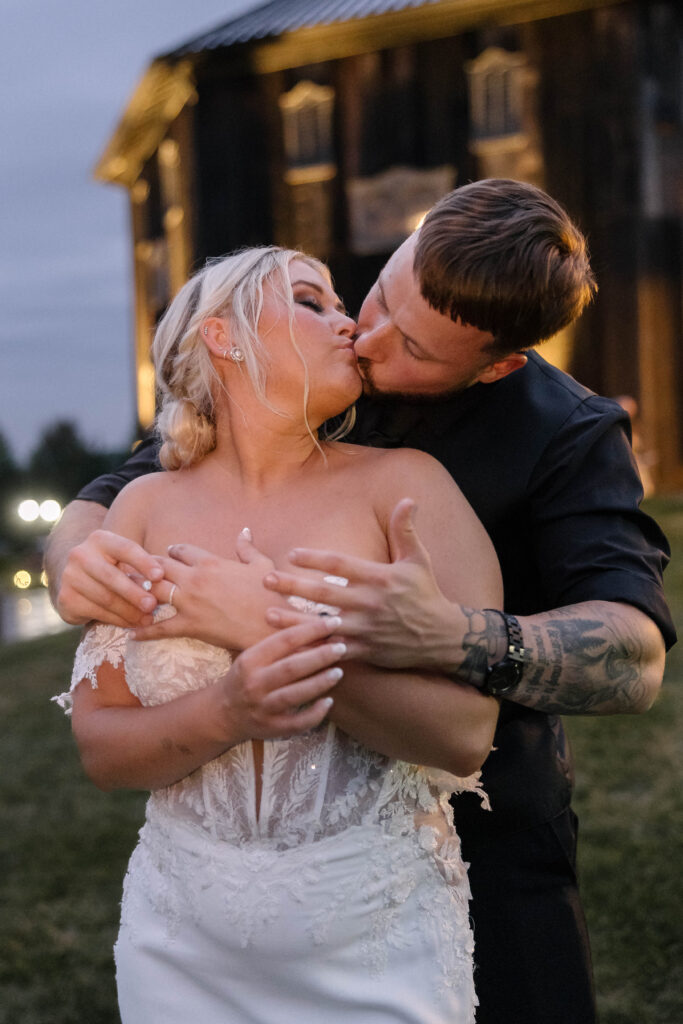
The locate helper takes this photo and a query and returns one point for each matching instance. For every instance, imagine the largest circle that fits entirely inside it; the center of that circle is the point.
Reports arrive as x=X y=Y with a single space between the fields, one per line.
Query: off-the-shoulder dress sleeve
x=101 y=643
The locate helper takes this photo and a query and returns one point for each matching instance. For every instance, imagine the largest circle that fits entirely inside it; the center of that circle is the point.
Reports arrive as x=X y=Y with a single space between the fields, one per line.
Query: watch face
x=503 y=677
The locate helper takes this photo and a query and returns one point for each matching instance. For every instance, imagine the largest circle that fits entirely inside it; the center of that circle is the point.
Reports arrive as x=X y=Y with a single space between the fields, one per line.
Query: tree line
x=58 y=467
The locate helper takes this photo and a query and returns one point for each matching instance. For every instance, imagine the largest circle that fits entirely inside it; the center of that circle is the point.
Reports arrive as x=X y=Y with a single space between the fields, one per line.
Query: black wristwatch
x=501 y=678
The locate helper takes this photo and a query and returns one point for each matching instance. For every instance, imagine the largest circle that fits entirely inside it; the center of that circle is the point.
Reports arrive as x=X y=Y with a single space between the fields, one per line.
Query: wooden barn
x=332 y=125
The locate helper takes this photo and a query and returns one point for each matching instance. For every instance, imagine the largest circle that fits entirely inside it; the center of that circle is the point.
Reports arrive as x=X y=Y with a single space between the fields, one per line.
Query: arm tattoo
x=583 y=665
x=484 y=640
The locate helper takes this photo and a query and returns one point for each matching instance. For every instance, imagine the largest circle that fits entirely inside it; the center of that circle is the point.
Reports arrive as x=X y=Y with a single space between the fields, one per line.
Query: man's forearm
x=79 y=520
x=594 y=658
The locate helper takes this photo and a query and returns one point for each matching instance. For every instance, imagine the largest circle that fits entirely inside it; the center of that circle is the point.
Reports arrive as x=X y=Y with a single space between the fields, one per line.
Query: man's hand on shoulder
x=90 y=570
x=596 y=658
x=394 y=615
x=103 y=579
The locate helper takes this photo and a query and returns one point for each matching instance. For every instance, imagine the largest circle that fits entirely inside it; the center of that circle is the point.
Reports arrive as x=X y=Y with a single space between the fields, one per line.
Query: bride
x=296 y=863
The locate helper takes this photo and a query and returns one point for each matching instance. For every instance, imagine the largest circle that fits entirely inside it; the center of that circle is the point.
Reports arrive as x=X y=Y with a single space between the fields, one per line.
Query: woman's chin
x=350 y=395
x=333 y=410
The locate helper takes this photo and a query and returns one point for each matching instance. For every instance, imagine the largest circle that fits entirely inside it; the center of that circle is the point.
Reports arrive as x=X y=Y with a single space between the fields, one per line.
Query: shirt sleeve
x=103 y=490
x=592 y=540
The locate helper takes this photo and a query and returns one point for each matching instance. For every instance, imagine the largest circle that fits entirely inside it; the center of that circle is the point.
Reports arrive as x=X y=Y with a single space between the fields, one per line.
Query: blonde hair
x=232 y=288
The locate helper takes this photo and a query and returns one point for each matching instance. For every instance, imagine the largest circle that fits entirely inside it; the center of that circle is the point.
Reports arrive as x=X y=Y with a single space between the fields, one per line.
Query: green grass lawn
x=628 y=797
x=64 y=846
x=63 y=850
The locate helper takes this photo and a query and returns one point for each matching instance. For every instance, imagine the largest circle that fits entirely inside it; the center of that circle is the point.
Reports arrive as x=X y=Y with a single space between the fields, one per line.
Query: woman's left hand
x=218 y=600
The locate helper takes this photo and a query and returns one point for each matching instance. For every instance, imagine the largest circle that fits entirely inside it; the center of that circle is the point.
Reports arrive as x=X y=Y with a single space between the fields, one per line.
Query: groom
x=444 y=346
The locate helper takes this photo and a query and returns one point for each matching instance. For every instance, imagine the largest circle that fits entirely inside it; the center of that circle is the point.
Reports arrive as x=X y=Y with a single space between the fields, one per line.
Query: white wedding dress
x=341 y=898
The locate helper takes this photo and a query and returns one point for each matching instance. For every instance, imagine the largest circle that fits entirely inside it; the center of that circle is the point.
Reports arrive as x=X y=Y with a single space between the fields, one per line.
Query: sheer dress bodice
x=344 y=888
x=313 y=786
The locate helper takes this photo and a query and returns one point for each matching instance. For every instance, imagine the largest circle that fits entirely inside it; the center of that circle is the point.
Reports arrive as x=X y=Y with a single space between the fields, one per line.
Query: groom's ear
x=501 y=368
x=214 y=334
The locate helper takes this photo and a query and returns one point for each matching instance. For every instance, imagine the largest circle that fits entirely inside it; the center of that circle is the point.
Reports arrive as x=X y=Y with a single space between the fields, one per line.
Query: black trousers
x=532 y=954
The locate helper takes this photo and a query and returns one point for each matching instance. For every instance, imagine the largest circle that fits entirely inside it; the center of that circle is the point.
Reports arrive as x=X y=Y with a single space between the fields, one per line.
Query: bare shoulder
x=463 y=557
x=390 y=474
x=418 y=465
x=406 y=470
x=133 y=505
x=393 y=461
x=142 y=489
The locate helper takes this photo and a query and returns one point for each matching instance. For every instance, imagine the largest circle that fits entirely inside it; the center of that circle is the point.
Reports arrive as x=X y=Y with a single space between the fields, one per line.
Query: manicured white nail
x=246 y=533
x=339 y=649
x=328 y=702
x=335 y=674
x=334 y=622
x=146 y=584
x=336 y=581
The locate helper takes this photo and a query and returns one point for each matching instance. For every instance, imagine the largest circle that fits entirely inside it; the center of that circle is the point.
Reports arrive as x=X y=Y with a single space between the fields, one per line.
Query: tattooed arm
x=593 y=658
x=597 y=657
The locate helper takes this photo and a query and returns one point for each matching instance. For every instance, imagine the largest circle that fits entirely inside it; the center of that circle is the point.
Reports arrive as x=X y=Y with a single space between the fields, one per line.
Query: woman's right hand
x=280 y=686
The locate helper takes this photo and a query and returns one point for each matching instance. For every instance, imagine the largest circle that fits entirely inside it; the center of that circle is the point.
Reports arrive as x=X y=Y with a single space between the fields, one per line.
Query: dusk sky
x=68 y=70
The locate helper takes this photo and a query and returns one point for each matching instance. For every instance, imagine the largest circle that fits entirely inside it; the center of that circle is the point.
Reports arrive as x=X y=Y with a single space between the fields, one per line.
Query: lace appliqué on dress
x=210 y=854
x=101 y=643
x=446 y=782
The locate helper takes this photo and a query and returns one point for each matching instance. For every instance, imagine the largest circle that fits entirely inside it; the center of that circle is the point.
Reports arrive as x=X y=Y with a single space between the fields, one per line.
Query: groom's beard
x=372 y=391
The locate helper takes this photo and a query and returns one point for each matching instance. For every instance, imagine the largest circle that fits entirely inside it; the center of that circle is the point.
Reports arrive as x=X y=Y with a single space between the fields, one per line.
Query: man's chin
x=371 y=390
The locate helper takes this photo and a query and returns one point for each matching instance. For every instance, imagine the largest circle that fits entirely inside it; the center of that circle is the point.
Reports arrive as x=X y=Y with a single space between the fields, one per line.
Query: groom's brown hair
x=505 y=257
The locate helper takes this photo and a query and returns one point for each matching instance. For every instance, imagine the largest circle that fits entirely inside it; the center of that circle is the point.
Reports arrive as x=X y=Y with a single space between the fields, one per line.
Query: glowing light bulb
x=50 y=510
x=29 y=510
x=22 y=579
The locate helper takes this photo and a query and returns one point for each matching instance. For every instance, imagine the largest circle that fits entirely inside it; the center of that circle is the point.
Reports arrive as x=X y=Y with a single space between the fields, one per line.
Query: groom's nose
x=372 y=339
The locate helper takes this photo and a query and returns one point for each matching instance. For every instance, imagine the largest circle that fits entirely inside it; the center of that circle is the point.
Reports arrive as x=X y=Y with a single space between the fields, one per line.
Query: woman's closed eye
x=310 y=302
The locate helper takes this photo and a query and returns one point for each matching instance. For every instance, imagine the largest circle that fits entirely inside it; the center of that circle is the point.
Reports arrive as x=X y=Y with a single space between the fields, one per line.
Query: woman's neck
x=263 y=450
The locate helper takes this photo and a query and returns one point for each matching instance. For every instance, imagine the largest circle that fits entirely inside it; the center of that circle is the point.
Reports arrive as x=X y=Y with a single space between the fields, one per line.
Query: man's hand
x=394 y=615
x=102 y=579
x=217 y=600
x=595 y=657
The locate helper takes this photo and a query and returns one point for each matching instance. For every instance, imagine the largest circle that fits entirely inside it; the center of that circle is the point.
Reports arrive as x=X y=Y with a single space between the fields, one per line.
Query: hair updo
x=232 y=288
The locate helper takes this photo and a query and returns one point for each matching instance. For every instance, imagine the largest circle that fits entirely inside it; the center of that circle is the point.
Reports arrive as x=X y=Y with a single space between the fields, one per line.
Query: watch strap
x=506 y=673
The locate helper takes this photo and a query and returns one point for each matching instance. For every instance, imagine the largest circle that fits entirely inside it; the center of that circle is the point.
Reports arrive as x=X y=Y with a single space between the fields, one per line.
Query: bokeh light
x=22 y=579
x=50 y=510
x=28 y=510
